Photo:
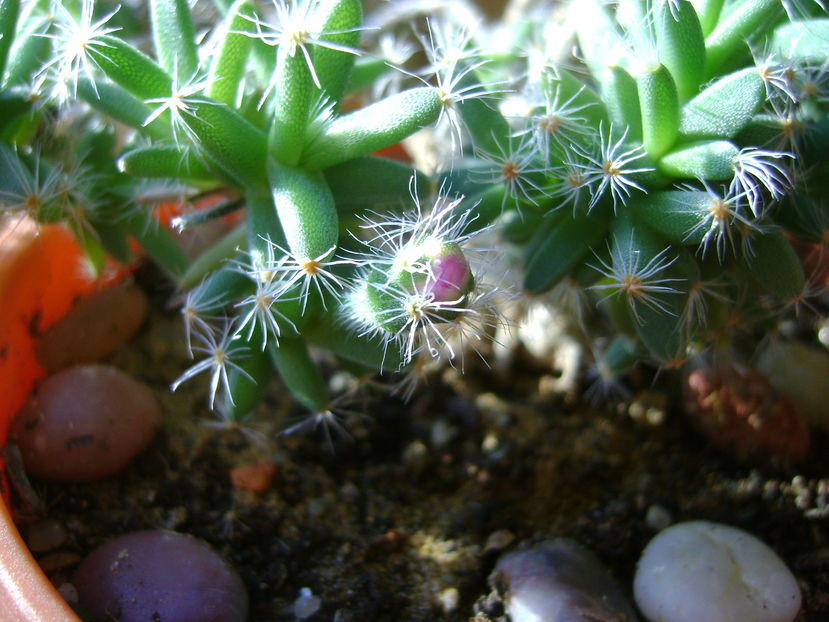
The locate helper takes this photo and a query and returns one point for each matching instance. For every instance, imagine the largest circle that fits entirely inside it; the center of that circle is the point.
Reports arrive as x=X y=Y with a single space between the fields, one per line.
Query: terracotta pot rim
x=26 y=595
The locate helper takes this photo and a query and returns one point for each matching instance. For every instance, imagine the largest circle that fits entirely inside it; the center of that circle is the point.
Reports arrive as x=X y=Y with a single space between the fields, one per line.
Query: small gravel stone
x=85 y=423
x=657 y=518
x=699 y=570
x=159 y=575
x=560 y=581
x=448 y=599
x=256 y=477
x=45 y=535
x=306 y=604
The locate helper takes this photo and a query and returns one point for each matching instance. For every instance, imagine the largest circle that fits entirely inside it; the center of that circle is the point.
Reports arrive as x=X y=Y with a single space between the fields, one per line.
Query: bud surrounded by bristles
x=417 y=278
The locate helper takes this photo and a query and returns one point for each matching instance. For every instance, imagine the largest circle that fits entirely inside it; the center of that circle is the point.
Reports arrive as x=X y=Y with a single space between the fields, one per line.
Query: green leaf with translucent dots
x=724 y=107
x=708 y=159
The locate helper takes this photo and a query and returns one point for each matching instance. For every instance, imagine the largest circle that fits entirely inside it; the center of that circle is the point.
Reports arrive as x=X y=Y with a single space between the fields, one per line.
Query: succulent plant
x=658 y=166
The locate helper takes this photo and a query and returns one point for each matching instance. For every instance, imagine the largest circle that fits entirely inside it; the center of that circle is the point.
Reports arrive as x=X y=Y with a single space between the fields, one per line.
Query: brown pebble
x=85 y=423
x=739 y=412
x=45 y=535
x=94 y=328
x=256 y=477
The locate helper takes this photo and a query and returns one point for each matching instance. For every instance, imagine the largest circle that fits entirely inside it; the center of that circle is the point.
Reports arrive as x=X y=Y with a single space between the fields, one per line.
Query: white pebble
x=706 y=571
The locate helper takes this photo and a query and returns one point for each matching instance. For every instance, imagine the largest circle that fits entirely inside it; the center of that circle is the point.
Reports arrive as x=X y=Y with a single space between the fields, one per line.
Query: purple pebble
x=560 y=581
x=159 y=576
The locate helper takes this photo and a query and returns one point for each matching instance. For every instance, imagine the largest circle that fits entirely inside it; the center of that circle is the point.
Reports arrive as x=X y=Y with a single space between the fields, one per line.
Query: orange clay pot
x=41 y=274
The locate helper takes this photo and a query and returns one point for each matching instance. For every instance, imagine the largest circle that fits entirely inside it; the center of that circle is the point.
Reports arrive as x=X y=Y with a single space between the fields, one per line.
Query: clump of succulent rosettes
x=652 y=158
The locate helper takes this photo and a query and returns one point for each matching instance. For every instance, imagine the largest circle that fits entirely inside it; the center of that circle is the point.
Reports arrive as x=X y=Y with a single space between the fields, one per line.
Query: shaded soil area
x=405 y=520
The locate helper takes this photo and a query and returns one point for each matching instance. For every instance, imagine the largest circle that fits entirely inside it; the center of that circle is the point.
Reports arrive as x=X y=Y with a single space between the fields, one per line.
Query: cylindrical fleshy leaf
x=121 y=105
x=725 y=107
x=336 y=21
x=486 y=126
x=294 y=91
x=659 y=105
x=806 y=218
x=248 y=383
x=645 y=271
x=371 y=351
x=164 y=162
x=299 y=373
x=709 y=14
x=157 y=242
x=681 y=46
x=562 y=248
x=237 y=147
x=264 y=231
x=621 y=355
x=621 y=96
x=581 y=96
x=806 y=39
x=174 y=37
x=227 y=69
x=9 y=10
x=677 y=215
x=708 y=159
x=373 y=181
x=306 y=211
x=775 y=265
x=29 y=50
x=373 y=127
x=127 y=66
x=728 y=40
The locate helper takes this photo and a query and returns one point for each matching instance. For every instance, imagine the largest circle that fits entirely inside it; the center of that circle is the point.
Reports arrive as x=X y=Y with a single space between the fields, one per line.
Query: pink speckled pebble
x=85 y=423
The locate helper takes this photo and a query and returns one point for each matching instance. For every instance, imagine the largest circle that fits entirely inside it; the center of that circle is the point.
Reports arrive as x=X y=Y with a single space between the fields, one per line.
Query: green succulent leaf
x=227 y=71
x=806 y=39
x=300 y=374
x=725 y=107
x=709 y=14
x=659 y=105
x=306 y=211
x=681 y=46
x=339 y=22
x=174 y=37
x=373 y=181
x=774 y=264
x=168 y=162
x=708 y=159
x=294 y=93
x=374 y=127
x=119 y=104
x=728 y=39
x=561 y=248
x=9 y=10
x=125 y=65
x=248 y=383
x=236 y=146
x=371 y=351
x=621 y=97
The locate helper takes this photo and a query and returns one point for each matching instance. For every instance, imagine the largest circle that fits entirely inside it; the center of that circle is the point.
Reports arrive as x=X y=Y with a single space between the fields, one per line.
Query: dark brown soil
x=413 y=510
